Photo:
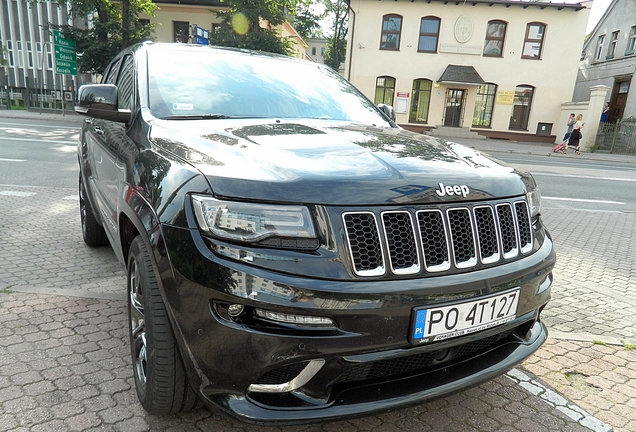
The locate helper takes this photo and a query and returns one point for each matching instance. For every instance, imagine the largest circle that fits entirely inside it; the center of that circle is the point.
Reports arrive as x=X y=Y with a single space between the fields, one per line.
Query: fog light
x=294 y=319
x=235 y=310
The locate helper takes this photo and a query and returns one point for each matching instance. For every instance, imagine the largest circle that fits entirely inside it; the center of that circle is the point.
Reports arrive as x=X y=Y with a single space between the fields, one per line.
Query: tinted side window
x=125 y=83
x=112 y=73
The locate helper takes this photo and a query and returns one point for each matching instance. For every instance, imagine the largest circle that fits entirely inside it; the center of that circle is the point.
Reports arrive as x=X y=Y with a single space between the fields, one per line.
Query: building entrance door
x=454 y=107
x=618 y=101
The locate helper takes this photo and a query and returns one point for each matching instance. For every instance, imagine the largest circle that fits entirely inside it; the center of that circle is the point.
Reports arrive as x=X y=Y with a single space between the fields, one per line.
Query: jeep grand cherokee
x=291 y=254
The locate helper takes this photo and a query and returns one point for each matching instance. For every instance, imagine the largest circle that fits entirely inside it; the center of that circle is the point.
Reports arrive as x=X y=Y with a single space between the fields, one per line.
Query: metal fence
x=617 y=138
x=45 y=98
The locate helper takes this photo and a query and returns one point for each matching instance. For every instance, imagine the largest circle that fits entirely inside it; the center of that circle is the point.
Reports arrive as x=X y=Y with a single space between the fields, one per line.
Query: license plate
x=435 y=324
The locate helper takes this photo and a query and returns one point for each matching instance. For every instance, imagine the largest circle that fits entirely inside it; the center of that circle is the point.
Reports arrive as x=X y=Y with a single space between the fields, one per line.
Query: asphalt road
x=580 y=183
x=38 y=153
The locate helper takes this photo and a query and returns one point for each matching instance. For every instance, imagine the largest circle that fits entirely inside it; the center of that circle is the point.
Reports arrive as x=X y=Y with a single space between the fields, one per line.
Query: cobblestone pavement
x=64 y=354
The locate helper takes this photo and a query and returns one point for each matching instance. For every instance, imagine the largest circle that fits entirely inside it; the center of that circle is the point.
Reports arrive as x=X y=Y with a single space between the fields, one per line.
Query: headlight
x=248 y=222
x=534 y=201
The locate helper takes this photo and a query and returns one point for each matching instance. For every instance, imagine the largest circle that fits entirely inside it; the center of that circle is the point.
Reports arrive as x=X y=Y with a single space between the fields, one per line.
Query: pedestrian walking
x=570 y=124
x=575 y=136
x=561 y=147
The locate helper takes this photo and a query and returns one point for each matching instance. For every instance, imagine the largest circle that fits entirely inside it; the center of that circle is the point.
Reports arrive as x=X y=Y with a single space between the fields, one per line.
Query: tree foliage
x=109 y=26
x=3 y=56
x=307 y=22
x=337 y=10
x=252 y=24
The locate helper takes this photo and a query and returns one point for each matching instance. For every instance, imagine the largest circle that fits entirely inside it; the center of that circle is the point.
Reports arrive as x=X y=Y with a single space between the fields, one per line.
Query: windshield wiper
x=195 y=117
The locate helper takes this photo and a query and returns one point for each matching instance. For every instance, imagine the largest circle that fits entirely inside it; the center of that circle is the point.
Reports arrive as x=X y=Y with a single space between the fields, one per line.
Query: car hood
x=336 y=163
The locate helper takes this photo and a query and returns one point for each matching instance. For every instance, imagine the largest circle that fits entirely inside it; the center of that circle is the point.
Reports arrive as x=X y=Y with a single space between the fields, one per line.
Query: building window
x=521 y=108
x=612 y=45
x=181 y=31
x=48 y=48
x=495 y=36
x=429 y=34
x=125 y=83
x=313 y=51
x=10 y=50
x=322 y=52
x=599 y=47
x=421 y=101
x=631 y=42
x=533 y=42
x=20 y=54
x=391 y=30
x=384 y=90
x=484 y=105
x=30 y=54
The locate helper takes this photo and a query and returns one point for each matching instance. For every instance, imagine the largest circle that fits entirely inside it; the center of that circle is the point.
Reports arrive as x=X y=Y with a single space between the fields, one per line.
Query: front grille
x=417 y=363
x=450 y=238
x=282 y=375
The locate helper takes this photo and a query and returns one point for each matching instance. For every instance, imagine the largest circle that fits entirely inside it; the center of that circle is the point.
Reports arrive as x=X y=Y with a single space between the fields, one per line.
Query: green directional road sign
x=65 y=56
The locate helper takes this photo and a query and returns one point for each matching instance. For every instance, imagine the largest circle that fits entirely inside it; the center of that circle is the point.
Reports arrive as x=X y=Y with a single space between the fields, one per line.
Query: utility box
x=544 y=129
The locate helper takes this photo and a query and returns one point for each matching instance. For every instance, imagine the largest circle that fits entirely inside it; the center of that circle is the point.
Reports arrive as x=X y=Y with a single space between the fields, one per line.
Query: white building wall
x=166 y=14
x=553 y=76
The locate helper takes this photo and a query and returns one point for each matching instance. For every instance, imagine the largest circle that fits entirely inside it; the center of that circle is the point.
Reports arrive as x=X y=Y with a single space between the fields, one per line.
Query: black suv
x=292 y=254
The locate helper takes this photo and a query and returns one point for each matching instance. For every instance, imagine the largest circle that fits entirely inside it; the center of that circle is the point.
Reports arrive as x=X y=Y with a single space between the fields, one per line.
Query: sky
x=598 y=9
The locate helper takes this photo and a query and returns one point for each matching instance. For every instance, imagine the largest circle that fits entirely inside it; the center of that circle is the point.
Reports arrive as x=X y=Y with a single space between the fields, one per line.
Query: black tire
x=92 y=231
x=160 y=378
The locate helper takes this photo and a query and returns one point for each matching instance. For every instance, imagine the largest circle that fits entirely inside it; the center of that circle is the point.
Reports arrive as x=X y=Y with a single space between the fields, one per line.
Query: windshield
x=218 y=84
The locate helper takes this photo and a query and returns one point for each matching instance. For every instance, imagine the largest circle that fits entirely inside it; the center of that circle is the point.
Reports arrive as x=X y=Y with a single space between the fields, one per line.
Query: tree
x=109 y=27
x=337 y=42
x=251 y=24
x=307 y=22
x=3 y=56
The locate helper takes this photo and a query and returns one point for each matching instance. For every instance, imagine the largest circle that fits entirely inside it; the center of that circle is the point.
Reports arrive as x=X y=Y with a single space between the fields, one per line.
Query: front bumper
x=367 y=362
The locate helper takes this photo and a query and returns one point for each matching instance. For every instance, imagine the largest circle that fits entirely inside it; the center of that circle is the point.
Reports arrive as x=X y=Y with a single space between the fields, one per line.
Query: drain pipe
x=352 y=14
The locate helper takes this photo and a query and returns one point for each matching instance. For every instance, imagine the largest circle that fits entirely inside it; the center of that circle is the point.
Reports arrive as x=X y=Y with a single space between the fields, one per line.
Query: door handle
x=98 y=130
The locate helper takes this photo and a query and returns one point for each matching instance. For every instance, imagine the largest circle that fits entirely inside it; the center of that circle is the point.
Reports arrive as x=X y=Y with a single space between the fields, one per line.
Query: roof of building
x=542 y=4
x=461 y=75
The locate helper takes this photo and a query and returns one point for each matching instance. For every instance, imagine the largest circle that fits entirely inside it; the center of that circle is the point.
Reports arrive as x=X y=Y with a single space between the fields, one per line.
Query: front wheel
x=92 y=231
x=160 y=379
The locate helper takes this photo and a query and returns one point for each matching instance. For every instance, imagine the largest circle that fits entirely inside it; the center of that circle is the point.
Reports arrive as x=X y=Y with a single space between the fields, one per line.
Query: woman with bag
x=575 y=136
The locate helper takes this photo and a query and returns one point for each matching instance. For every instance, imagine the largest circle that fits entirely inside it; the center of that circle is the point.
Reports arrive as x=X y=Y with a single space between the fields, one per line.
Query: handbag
x=577 y=134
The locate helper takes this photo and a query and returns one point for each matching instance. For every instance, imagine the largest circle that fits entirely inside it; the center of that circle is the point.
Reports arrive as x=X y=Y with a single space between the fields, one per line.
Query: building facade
x=175 y=20
x=609 y=59
x=316 y=48
x=500 y=68
x=28 y=45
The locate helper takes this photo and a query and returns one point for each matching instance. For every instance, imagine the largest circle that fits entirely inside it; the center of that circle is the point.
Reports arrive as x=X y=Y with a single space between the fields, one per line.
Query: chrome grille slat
x=486 y=234
x=434 y=240
x=437 y=240
x=462 y=238
x=525 y=230
x=364 y=243
x=400 y=238
x=507 y=230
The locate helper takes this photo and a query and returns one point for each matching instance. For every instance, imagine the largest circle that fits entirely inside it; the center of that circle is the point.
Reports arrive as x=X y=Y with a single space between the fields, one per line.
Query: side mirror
x=100 y=101
x=388 y=110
